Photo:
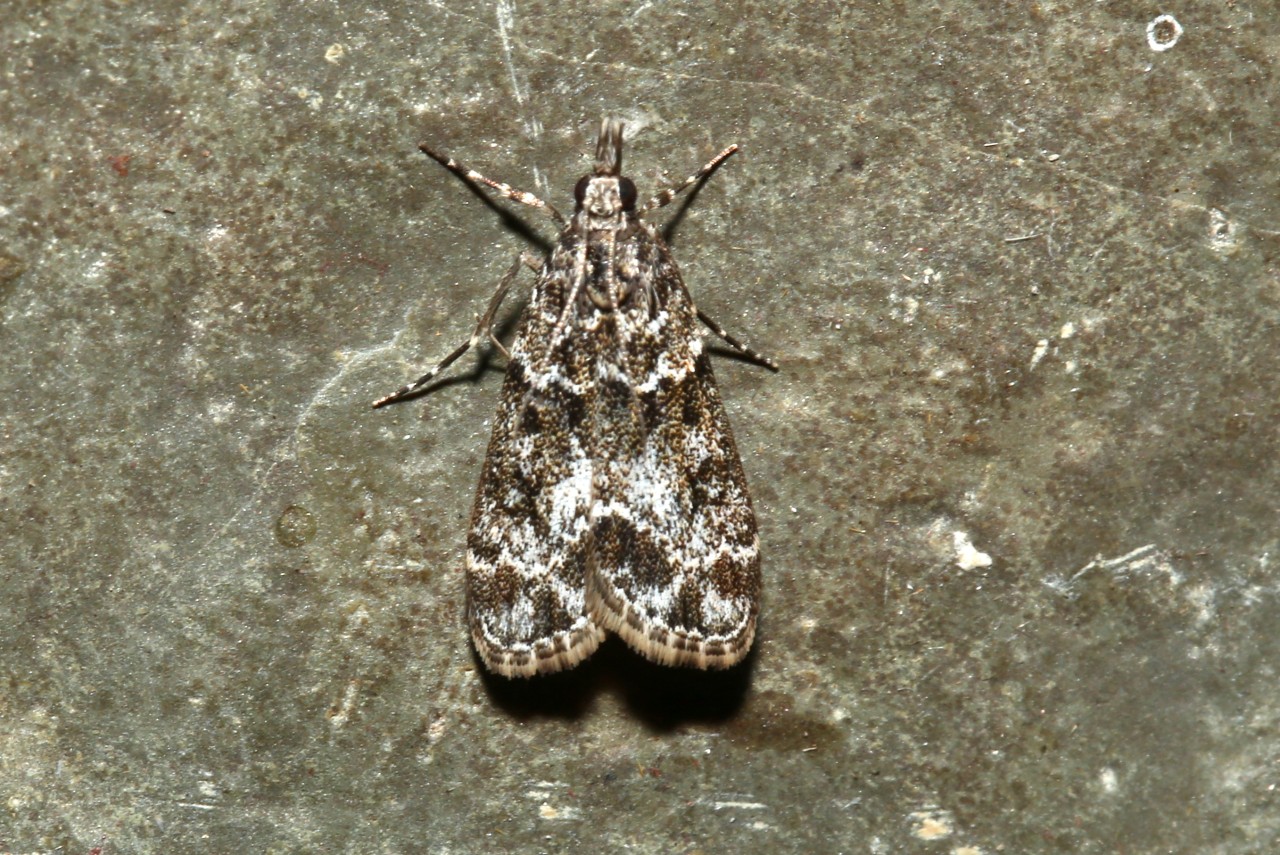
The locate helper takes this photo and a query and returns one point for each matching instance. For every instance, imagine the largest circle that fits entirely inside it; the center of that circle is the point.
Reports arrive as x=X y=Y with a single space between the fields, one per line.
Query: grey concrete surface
x=1017 y=479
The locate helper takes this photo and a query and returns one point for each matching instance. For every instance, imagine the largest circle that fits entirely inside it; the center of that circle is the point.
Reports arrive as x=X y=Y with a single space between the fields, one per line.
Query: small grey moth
x=612 y=498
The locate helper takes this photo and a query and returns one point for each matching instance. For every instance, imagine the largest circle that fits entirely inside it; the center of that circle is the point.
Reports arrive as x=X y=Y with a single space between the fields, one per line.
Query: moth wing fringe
x=545 y=656
x=674 y=647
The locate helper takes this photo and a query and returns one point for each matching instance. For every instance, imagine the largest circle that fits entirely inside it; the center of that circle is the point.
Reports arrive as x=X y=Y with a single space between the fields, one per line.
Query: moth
x=612 y=497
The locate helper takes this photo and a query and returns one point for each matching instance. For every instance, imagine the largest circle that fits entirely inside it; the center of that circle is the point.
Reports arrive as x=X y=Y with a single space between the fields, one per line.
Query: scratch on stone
x=738 y=806
x=506 y=13
x=1144 y=559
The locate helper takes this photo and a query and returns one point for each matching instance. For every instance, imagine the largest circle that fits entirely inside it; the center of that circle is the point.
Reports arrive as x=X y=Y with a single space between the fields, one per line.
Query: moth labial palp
x=612 y=497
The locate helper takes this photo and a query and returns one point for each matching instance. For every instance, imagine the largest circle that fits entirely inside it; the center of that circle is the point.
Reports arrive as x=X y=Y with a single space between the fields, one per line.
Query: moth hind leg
x=737 y=345
x=483 y=330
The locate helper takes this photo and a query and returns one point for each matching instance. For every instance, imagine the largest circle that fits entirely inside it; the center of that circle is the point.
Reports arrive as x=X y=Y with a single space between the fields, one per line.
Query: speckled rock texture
x=1016 y=482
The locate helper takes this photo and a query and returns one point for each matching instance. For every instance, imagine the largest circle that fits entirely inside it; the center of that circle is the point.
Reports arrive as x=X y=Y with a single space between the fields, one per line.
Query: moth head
x=604 y=199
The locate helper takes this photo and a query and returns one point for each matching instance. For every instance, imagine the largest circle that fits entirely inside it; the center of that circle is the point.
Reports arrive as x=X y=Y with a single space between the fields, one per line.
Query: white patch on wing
x=551 y=375
x=653 y=600
x=666 y=369
x=570 y=496
x=718 y=610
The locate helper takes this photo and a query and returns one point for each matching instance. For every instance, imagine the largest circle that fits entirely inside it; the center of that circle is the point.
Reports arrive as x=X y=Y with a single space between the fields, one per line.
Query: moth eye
x=627 y=193
x=580 y=189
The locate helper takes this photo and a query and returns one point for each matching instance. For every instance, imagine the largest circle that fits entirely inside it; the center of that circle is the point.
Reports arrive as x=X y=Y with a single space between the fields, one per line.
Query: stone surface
x=1016 y=481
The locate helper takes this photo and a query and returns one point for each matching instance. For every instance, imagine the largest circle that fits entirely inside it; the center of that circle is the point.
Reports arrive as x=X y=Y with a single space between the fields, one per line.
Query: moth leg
x=670 y=193
x=484 y=329
x=529 y=261
x=735 y=344
x=506 y=190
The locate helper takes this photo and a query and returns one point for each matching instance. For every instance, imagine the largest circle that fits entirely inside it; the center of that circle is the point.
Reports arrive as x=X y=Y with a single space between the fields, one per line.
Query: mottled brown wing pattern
x=530 y=545
x=612 y=497
x=676 y=568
